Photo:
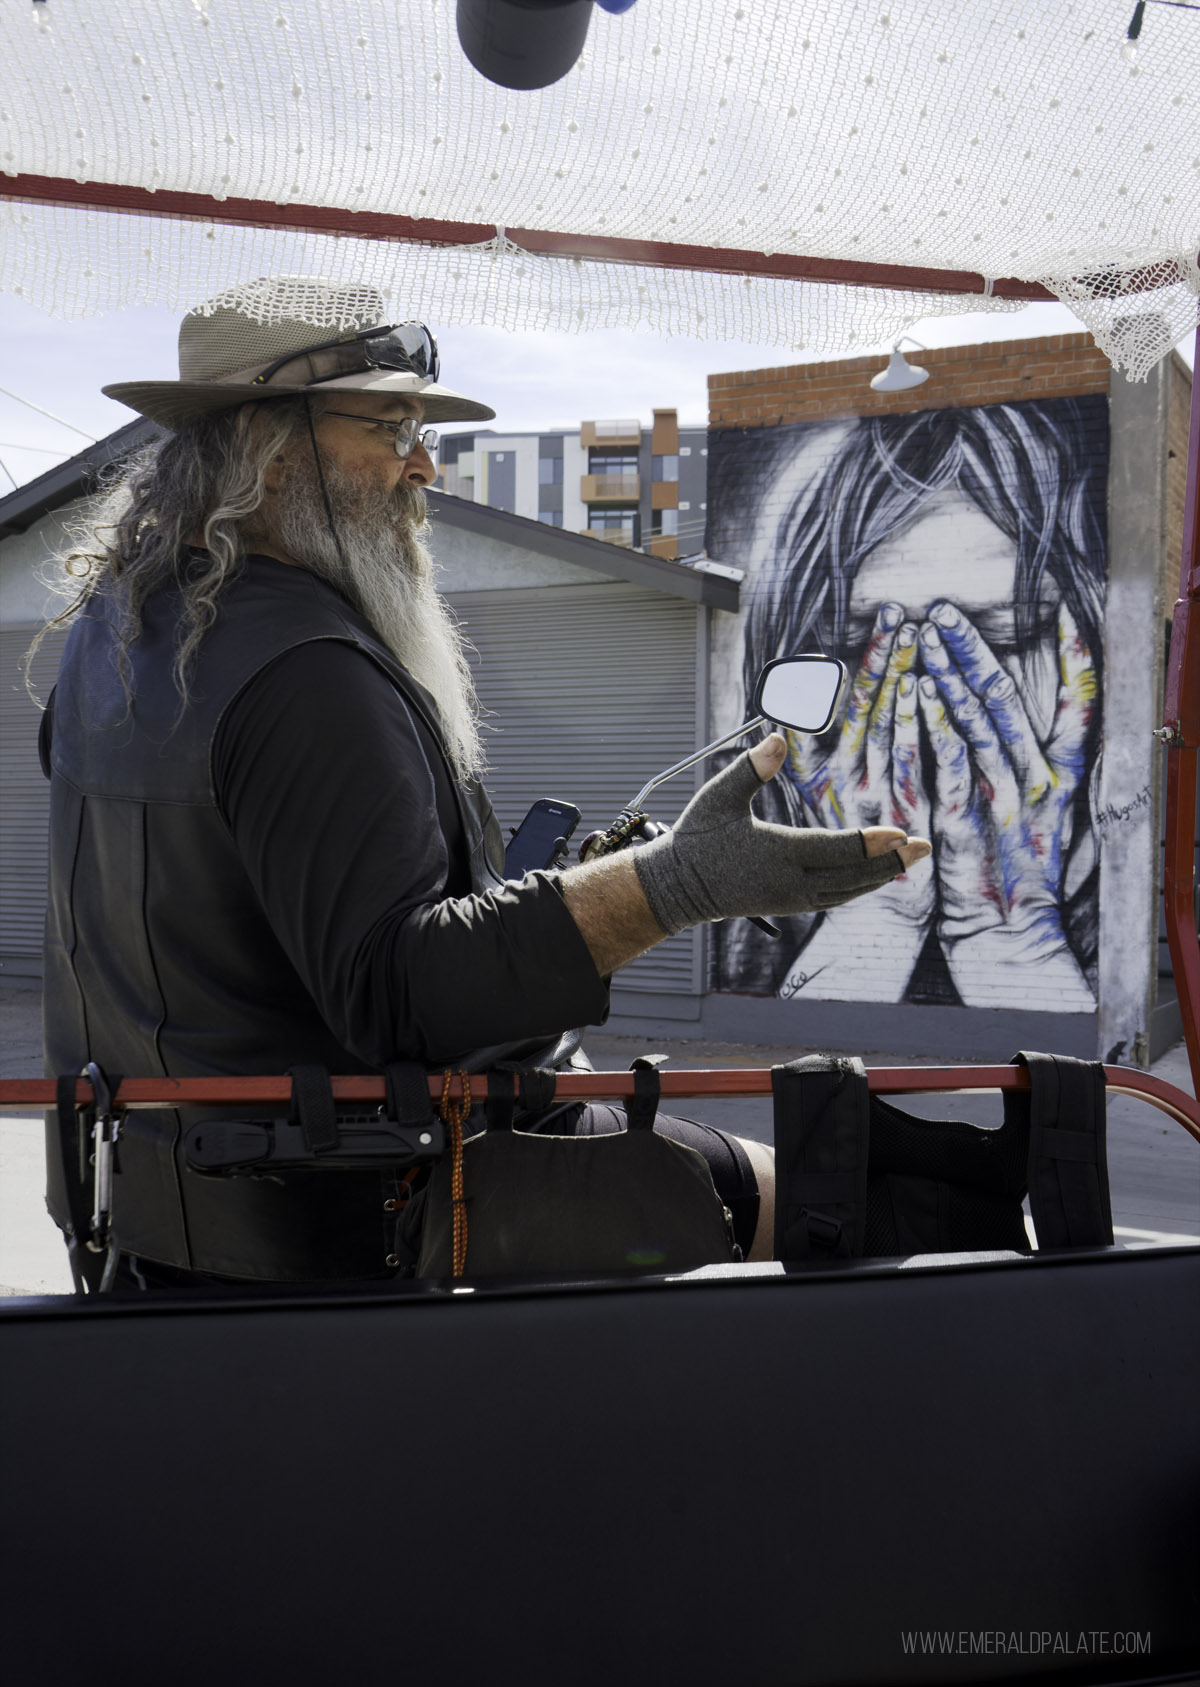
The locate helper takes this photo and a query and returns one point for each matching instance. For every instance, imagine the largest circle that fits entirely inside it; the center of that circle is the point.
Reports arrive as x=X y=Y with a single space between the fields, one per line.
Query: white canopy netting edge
x=84 y=261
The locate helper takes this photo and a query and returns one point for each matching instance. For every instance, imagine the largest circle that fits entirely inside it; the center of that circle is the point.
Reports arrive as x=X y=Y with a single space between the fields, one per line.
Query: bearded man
x=269 y=842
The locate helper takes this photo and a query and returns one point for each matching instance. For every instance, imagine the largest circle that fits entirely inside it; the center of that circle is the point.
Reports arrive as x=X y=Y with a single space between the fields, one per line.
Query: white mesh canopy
x=1008 y=138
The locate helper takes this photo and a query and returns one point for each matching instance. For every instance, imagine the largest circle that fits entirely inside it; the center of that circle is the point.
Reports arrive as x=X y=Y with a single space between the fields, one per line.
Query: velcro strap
x=538 y=1087
x=821 y=1139
x=408 y=1099
x=1068 y=1163
x=501 y=1098
x=312 y=1105
x=641 y=1109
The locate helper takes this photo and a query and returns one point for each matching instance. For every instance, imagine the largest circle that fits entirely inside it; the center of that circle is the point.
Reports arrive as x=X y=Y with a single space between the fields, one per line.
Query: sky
x=534 y=382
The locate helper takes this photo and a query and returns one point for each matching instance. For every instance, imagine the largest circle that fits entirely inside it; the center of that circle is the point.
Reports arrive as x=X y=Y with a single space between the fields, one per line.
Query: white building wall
x=462 y=474
x=525 y=448
x=527 y=478
x=575 y=464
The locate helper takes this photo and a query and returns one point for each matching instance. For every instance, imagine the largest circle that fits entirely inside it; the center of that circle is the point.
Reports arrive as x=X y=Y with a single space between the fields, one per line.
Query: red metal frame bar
x=26 y=1094
x=374 y=225
x=1181 y=728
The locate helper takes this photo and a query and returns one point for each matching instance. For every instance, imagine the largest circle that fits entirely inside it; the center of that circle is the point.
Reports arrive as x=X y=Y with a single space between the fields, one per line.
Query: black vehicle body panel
x=747 y=1475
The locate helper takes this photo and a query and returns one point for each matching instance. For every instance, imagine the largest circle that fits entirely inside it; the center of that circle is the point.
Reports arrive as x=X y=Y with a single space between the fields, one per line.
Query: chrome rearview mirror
x=800 y=692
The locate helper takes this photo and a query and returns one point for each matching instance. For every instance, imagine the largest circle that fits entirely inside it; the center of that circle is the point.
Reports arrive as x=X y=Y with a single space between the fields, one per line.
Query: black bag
x=631 y=1201
x=856 y=1177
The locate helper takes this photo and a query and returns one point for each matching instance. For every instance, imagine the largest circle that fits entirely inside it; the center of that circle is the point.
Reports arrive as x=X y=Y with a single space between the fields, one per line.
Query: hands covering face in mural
x=1003 y=800
x=994 y=796
x=873 y=776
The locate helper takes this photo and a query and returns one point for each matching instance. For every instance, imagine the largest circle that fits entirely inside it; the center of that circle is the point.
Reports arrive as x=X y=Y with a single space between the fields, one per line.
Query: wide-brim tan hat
x=226 y=342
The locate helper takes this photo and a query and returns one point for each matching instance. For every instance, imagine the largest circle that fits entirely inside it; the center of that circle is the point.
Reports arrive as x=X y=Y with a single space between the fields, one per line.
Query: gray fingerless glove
x=718 y=860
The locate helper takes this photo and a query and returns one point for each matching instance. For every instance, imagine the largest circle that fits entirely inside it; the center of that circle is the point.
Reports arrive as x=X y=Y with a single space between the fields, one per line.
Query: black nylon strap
x=114 y=1081
x=1068 y=1163
x=641 y=1109
x=72 y=1127
x=538 y=1087
x=408 y=1099
x=501 y=1100
x=312 y=1105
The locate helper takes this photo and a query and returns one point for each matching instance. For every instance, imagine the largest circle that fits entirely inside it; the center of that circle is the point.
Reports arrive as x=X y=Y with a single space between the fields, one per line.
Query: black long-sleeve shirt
x=342 y=812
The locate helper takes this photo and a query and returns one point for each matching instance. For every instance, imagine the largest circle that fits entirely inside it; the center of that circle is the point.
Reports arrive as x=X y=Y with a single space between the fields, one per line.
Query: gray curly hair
x=200 y=483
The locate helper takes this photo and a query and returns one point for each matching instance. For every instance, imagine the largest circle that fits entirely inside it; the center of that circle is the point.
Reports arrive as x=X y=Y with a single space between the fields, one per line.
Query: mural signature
x=1110 y=814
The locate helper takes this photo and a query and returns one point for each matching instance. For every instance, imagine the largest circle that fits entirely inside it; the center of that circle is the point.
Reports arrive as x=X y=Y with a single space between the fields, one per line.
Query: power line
x=4 y=466
x=42 y=450
x=686 y=529
x=19 y=400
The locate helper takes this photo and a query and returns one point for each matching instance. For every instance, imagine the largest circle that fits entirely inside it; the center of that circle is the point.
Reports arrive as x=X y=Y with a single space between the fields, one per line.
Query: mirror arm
x=690 y=761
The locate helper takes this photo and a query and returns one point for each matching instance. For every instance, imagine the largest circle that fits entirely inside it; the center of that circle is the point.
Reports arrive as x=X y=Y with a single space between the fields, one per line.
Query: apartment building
x=613 y=479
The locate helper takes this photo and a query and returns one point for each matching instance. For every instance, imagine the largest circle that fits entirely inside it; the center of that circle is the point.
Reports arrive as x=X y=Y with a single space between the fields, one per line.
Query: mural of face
x=949 y=549
x=972 y=717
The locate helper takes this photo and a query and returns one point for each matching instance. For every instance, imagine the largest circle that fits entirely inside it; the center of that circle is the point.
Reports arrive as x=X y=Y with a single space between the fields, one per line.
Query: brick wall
x=1059 y=366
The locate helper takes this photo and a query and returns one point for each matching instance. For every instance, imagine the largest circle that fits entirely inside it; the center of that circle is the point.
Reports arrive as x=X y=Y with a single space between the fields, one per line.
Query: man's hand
x=769 y=756
x=718 y=861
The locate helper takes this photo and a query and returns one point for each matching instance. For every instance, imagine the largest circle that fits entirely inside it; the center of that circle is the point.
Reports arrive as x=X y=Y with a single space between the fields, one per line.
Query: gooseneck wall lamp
x=900 y=374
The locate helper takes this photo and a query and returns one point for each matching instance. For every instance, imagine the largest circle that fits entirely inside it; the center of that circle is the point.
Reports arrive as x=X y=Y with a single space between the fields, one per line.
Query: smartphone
x=533 y=842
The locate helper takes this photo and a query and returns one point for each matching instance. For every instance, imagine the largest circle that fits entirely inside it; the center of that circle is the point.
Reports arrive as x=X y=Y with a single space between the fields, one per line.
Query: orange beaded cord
x=455 y=1113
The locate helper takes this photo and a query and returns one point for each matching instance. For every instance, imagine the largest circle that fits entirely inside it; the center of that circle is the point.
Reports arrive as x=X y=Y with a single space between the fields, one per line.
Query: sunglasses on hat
x=405 y=346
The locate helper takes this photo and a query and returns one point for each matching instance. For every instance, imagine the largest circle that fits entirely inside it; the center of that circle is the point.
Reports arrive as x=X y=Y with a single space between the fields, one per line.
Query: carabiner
x=105 y=1131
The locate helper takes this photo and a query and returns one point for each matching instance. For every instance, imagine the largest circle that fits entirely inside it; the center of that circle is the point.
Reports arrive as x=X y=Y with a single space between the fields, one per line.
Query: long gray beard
x=381 y=563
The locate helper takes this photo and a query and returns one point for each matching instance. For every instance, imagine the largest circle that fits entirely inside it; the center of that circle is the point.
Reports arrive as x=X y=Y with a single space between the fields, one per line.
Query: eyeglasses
x=406 y=434
x=407 y=346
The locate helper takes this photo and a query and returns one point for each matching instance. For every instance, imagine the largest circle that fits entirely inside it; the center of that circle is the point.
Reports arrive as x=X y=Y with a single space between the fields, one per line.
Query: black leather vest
x=144 y=876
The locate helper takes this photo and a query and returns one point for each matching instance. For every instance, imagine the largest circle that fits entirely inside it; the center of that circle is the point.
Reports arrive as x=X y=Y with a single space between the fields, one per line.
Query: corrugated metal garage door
x=24 y=800
x=593 y=690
